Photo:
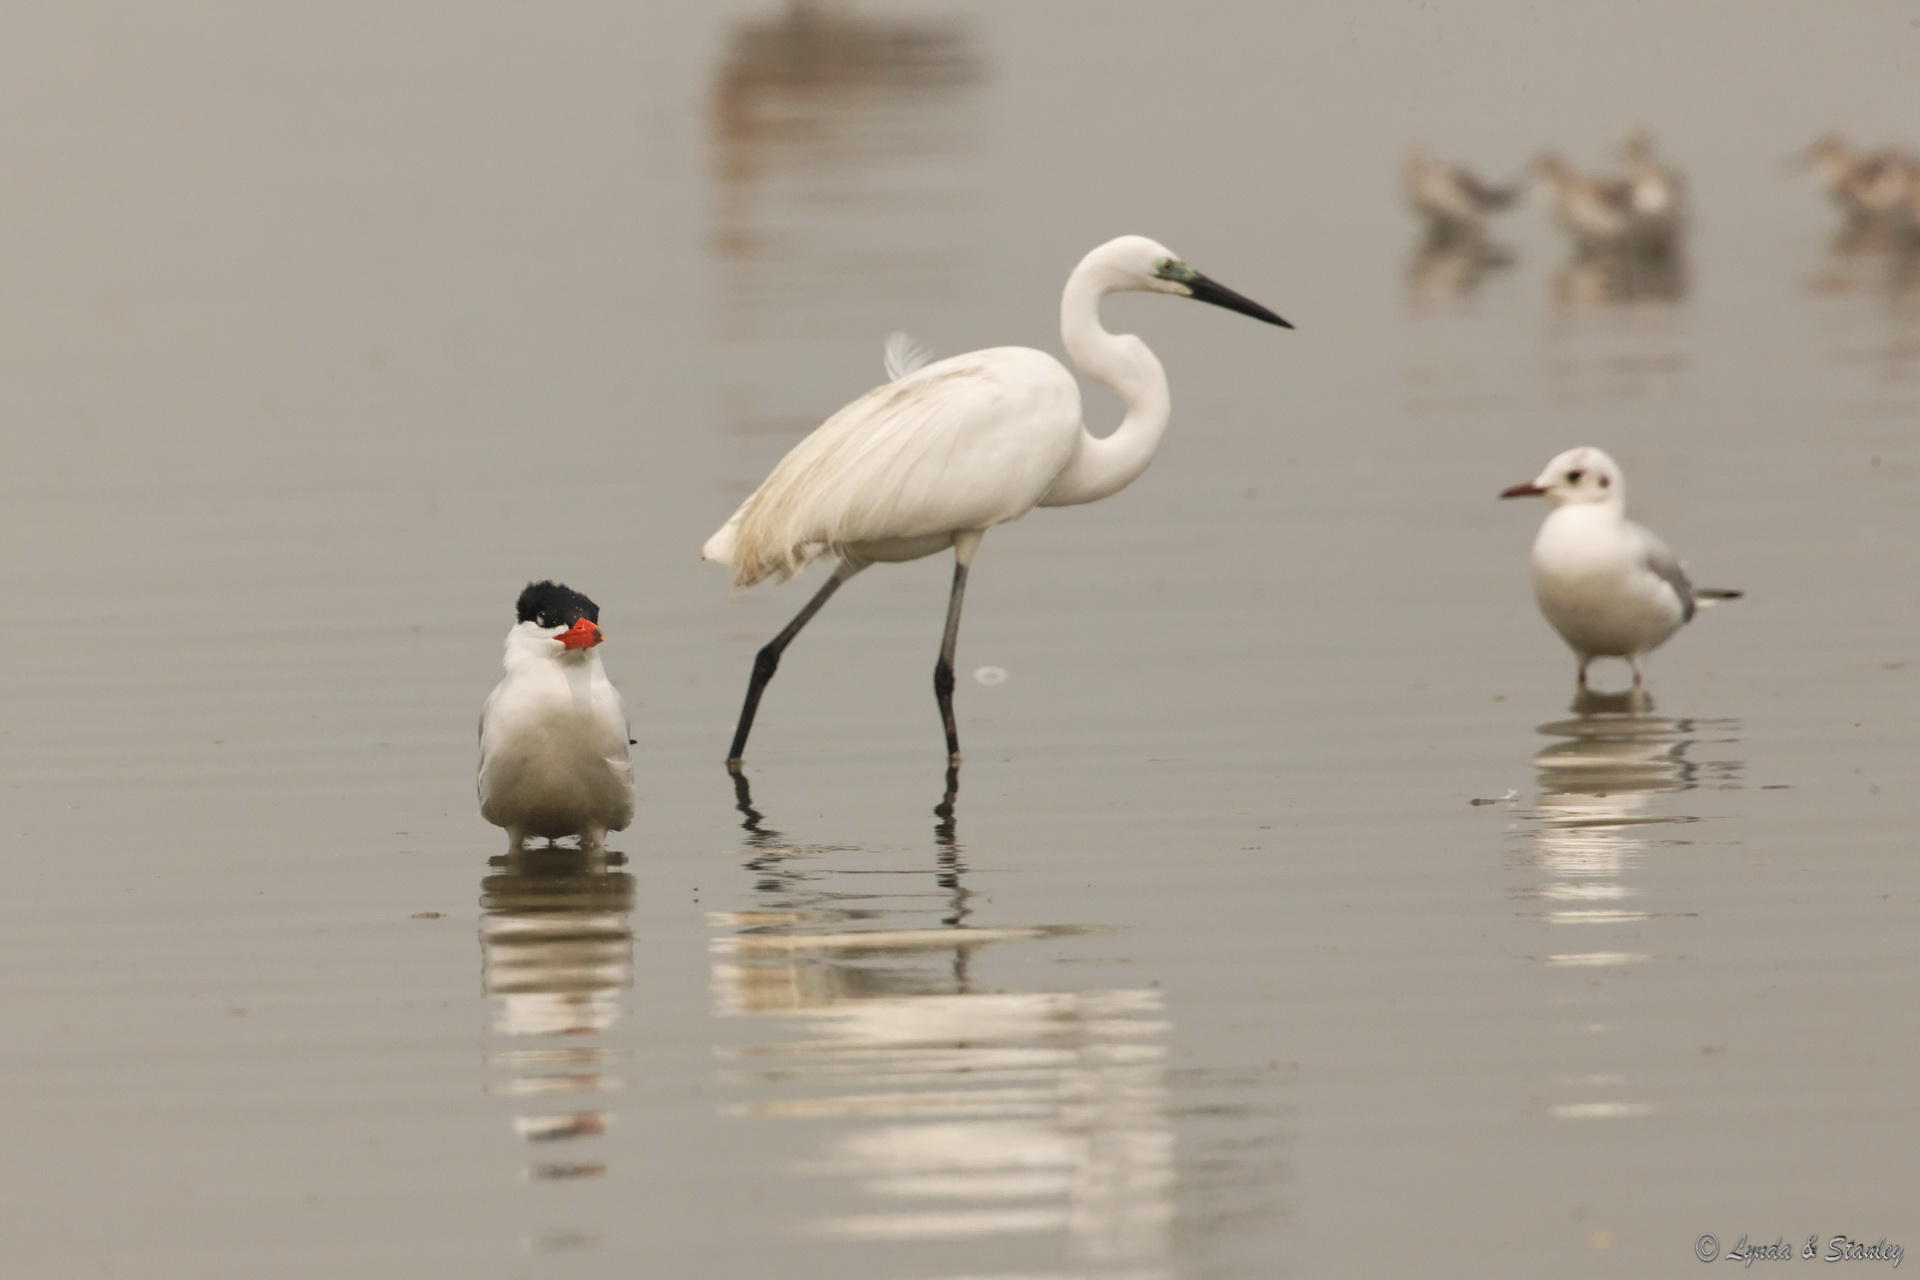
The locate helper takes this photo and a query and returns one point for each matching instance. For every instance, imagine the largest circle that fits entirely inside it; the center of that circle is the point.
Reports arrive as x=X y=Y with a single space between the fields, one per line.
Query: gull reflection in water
x=949 y=1110
x=557 y=960
x=1609 y=794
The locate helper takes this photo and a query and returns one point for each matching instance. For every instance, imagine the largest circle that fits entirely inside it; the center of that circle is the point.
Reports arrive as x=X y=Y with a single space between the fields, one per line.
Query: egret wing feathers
x=960 y=444
x=904 y=355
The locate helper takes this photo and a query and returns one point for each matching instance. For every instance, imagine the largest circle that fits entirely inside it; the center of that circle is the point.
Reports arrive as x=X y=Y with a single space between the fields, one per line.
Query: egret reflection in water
x=947 y=1109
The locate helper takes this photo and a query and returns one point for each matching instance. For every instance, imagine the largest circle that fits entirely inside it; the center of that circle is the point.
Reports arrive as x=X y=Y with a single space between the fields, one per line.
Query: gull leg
x=1638 y=697
x=767 y=661
x=1585 y=662
x=964 y=545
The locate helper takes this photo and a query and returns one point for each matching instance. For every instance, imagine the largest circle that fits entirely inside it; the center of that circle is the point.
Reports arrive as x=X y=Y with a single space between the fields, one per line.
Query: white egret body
x=554 y=732
x=938 y=456
x=1609 y=586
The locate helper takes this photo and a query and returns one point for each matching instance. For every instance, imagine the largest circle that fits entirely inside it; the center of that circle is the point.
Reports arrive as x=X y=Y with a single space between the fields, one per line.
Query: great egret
x=553 y=734
x=937 y=457
x=1607 y=585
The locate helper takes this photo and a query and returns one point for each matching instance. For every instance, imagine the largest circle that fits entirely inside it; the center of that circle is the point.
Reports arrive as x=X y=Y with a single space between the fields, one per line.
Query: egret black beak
x=1527 y=490
x=1205 y=290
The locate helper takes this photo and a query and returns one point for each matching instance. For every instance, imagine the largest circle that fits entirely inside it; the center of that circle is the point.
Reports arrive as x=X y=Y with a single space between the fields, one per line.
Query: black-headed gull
x=1607 y=585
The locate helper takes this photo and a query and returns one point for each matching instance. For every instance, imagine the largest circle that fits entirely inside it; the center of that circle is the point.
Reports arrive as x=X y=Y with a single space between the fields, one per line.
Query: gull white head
x=1139 y=264
x=1578 y=476
x=554 y=623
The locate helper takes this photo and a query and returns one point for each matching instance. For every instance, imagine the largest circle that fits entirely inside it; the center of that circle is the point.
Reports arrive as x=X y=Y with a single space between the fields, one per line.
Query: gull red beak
x=1528 y=490
x=581 y=635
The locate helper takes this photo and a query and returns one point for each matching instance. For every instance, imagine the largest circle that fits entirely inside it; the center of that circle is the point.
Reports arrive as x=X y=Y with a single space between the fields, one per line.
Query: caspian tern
x=554 y=732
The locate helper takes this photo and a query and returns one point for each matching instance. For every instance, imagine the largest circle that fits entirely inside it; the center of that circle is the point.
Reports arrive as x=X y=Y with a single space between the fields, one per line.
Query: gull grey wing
x=1663 y=562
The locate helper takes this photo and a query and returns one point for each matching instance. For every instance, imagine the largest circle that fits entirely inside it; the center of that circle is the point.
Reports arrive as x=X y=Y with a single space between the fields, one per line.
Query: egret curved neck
x=1104 y=465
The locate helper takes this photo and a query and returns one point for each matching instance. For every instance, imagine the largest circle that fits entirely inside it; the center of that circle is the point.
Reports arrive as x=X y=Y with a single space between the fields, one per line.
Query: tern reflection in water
x=1608 y=800
x=948 y=1110
x=557 y=960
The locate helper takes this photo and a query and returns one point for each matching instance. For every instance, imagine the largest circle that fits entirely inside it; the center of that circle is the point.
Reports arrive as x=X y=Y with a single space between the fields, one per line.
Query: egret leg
x=964 y=545
x=767 y=661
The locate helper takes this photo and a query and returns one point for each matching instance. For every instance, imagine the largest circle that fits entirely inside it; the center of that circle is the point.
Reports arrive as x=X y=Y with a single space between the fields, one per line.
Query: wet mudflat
x=331 y=331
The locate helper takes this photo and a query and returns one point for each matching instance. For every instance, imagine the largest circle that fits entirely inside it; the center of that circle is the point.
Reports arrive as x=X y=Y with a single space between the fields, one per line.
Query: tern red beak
x=581 y=635
x=1528 y=490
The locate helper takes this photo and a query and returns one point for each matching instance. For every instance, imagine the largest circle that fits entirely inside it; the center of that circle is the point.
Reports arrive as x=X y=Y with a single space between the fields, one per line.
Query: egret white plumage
x=1607 y=585
x=940 y=455
x=554 y=732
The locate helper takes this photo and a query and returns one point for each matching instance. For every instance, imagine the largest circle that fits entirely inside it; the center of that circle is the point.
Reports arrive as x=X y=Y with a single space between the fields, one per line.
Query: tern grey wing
x=1664 y=563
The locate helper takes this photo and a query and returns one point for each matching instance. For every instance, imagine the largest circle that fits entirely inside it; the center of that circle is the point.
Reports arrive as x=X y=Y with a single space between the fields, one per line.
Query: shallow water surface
x=1283 y=920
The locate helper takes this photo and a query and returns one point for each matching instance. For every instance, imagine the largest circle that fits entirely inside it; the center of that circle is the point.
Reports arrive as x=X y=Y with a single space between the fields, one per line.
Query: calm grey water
x=331 y=326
